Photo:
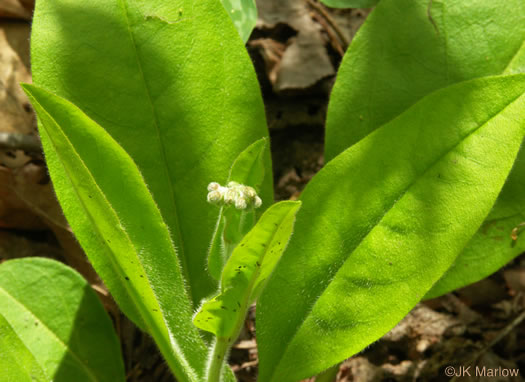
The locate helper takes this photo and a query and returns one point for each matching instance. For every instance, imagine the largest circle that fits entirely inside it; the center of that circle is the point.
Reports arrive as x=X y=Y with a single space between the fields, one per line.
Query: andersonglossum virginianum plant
x=140 y=131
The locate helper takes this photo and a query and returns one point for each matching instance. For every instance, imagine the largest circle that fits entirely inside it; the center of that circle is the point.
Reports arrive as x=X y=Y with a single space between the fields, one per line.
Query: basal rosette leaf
x=54 y=327
x=17 y=363
x=173 y=84
x=407 y=49
x=115 y=219
x=383 y=221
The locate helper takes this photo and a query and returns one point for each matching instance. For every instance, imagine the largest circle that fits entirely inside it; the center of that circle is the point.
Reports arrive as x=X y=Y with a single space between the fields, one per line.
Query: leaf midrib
x=396 y=200
x=180 y=246
x=53 y=334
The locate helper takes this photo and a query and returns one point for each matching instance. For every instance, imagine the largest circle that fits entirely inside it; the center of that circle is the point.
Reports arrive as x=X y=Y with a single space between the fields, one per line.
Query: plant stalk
x=216 y=362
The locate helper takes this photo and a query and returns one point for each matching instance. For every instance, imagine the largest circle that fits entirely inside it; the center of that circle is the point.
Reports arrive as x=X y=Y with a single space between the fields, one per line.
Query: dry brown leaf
x=15 y=111
x=16 y=9
x=305 y=60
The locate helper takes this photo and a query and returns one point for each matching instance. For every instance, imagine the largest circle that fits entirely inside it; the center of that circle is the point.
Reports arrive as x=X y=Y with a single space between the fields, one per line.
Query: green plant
x=143 y=129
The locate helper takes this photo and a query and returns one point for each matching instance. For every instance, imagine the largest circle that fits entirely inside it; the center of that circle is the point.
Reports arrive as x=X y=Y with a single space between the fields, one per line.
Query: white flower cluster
x=239 y=195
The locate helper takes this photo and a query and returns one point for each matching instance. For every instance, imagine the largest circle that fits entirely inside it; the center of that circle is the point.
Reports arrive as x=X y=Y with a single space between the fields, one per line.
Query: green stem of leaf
x=219 y=351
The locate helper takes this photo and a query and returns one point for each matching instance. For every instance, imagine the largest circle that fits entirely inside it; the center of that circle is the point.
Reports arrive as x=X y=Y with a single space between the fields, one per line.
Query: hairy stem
x=216 y=362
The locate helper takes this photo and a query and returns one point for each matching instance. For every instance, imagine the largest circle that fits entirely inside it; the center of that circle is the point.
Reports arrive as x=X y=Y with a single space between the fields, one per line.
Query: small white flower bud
x=257 y=202
x=214 y=197
x=250 y=192
x=213 y=186
x=233 y=184
x=230 y=196
x=241 y=204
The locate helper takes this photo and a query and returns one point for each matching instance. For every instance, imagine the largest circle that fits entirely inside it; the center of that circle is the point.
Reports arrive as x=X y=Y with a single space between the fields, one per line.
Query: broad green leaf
x=243 y=14
x=56 y=324
x=232 y=225
x=247 y=270
x=350 y=3
x=409 y=48
x=17 y=364
x=115 y=219
x=492 y=246
x=173 y=84
x=383 y=221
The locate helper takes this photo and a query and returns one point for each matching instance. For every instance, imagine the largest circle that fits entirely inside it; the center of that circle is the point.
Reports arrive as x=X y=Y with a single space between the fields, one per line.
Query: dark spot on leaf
x=141 y=275
x=127 y=278
x=389 y=263
x=257 y=263
x=155 y=310
x=239 y=304
x=90 y=197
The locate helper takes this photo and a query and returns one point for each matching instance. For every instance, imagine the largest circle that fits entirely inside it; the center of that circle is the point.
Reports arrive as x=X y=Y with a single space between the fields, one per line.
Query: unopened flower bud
x=250 y=192
x=257 y=202
x=233 y=184
x=230 y=196
x=213 y=186
x=214 y=197
x=241 y=204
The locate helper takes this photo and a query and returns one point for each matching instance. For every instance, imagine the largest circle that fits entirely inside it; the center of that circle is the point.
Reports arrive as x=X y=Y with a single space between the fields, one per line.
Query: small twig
x=333 y=38
x=500 y=335
x=506 y=330
x=18 y=141
x=319 y=8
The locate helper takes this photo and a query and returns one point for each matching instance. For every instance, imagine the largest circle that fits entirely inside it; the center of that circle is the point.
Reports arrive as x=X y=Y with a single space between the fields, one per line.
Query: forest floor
x=296 y=48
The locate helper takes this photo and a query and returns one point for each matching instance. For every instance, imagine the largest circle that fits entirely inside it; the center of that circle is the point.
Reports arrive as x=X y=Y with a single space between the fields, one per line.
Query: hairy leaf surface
x=54 y=326
x=173 y=84
x=407 y=49
x=383 y=221
x=247 y=270
x=17 y=363
x=116 y=221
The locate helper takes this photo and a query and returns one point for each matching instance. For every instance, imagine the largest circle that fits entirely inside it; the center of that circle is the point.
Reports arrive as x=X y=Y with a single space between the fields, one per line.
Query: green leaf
x=232 y=225
x=383 y=221
x=243 y=14
x=116 y=221
x=173 y=84
x=492 y=246
x=350 y=3
x=17 y=363
x=405 y=50
x=247 y=270
x=54 y=323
